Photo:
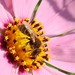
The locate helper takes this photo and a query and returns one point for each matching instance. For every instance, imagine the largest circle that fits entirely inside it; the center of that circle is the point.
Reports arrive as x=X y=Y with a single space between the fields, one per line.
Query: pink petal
x=23 y=8
x=5 y=16
x=7 y=5
x=52 y=71
x=64 y=65
x=5 y=67
x=55 y=18
x=47 y=71
x=63 y=48
x=42 y=71
x=1 y=25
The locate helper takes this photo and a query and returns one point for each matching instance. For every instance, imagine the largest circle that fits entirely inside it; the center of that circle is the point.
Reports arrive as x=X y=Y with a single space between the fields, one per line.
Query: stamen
x=27 y=69
x=6 y=37
x=40 y=28
x=16 y=21
x=32 y=22
x=14 y=41
x=14 y=31
x=23 y=63
x=27 y=48
x=9 y=28
x=17 y=58
x=46 y=57
x=13 y=51
x=46 y=49
x=41 y=63
x=36 y=25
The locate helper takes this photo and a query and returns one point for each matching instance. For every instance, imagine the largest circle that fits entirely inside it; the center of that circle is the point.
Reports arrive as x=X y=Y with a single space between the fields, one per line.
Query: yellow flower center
x=26 y=43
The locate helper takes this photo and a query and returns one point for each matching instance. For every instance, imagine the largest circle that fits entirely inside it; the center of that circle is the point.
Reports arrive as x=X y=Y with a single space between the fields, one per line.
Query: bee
x=35 y=53
x=35 y=42
x=26 y=29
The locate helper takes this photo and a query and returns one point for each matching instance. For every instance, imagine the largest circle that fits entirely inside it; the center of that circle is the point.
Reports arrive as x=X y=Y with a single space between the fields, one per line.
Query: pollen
x=26 y=43
x=17 y=58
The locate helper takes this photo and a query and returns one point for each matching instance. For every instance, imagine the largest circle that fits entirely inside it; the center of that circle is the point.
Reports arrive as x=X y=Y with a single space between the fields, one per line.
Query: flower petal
x=42 y=71
x=52 y=71
x=5 y=67
x=1 y=25
x=5 y=16
x=47 y=71
x=55 y=17
x=64 y=65
x=63 y=48
x=7 y=5
x=55 y=23
x=23 y=8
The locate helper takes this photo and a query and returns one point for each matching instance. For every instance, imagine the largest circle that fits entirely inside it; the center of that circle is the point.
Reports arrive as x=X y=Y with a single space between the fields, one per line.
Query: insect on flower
x=26 y=29
x=35 y=42
x=26 y=43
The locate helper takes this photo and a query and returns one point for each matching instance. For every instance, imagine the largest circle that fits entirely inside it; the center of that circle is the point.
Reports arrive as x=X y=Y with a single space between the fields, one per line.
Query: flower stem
x=66 y=72
x=62 y=34
x=35 y=10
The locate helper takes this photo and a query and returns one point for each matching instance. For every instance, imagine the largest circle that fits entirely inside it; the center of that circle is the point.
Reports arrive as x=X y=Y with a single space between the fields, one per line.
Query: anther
x=45 y=57
x=45 y=39
x=13 y=47
x=36 y=25
x=9 y=25
x=9 y=28
x=23 y=63
x=14 y=31
x=34 y=64
x=26 y=20
x=10 y=48
x=6 y=37
x=17 y=58
x=24 y=49
x=45 y=45
x=45 y=50
x=13 y=51
x=41 y=33
x=40 y=28
x=16 y=20
x=27 y=69
x=32 y=57
x=25 y=66
x=41 y=63
x=14 y=41
x=38 y=67
x=32 y=22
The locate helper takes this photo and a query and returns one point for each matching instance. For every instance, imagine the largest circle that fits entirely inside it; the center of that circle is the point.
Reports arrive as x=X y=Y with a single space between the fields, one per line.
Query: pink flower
x=52 y=14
